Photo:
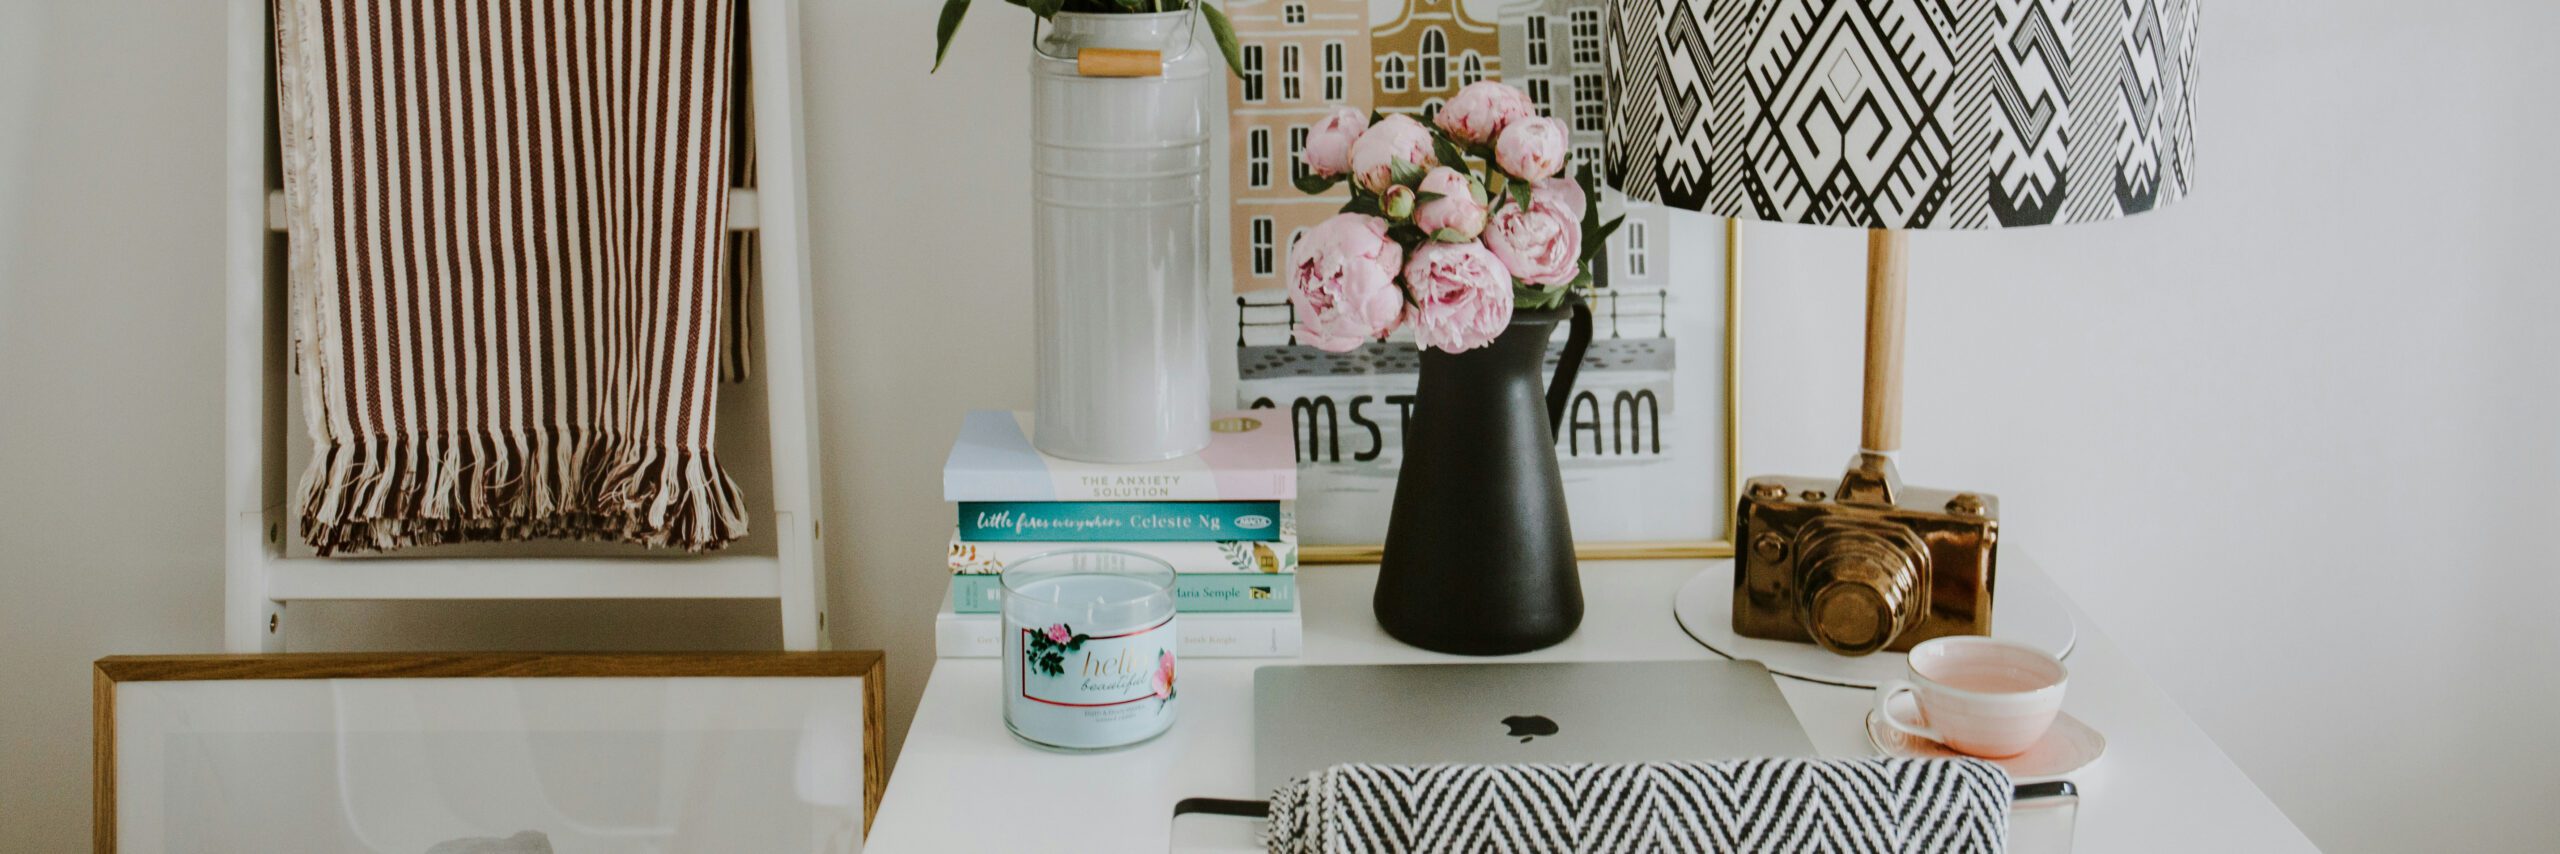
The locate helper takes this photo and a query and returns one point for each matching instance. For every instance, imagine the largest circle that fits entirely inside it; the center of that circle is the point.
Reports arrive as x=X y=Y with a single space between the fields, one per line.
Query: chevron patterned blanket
x=1751 y=805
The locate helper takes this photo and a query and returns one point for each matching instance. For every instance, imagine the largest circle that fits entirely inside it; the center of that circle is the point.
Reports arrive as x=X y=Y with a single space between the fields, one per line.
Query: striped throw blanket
x=1885 y=806
x=506 y=234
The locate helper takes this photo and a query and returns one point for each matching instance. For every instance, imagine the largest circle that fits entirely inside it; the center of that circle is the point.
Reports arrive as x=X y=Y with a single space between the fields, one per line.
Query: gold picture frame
x=865 y=666
x=1721 y=547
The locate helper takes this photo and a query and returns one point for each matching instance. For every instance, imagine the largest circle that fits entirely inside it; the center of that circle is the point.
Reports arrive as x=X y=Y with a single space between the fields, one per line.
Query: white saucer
x=2029 y=610
x=2069 y=746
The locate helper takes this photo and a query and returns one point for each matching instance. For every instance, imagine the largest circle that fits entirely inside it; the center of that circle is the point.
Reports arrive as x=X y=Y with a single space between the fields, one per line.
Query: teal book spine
x=1120 y=521
x=1215 y=592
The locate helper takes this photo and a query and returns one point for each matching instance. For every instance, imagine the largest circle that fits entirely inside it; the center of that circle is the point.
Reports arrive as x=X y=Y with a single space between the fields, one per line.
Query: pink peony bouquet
x=1427 y=242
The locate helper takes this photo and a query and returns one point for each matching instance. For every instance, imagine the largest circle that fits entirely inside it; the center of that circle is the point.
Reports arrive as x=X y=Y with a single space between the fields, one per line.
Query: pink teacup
x=1978 y=695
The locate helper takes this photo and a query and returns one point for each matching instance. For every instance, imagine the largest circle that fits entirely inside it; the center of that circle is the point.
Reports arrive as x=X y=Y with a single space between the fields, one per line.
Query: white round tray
x=2028 y=610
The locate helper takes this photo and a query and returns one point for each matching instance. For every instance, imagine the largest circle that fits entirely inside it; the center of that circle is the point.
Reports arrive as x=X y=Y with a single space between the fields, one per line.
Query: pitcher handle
x=1190 y=38
x=1568 y=365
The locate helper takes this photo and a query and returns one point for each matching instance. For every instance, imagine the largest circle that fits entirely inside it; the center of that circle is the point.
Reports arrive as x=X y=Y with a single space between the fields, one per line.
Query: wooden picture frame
x=738 y=672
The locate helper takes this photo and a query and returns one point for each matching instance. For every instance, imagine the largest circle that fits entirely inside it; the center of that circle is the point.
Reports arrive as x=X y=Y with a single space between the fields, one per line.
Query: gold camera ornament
x=1865 y=564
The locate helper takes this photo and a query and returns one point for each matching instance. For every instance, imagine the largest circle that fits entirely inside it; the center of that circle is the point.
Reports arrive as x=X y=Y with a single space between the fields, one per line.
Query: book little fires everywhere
x=1120 y=521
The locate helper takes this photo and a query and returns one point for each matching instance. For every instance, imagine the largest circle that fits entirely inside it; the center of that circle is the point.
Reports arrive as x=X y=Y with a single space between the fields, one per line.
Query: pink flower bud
x=1460 y=208
x=1397 y=137
x=1397 y=201
x=1328 y=151
x=1541 y=244
x=1479 y=112
x=1531 y=148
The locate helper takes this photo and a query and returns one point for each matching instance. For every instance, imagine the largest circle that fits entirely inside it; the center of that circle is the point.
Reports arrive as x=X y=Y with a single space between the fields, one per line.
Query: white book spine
x=1203 y=636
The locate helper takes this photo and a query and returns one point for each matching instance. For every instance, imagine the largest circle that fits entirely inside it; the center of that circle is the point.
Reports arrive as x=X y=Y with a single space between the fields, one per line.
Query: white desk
x=963 y=784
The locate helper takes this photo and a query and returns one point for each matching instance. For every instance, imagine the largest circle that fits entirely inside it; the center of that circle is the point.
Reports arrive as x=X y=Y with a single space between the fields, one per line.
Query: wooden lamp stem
x=1881 y=418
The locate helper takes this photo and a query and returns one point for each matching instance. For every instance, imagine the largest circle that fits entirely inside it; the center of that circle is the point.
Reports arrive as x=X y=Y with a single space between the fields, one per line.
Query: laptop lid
x=1309 y=717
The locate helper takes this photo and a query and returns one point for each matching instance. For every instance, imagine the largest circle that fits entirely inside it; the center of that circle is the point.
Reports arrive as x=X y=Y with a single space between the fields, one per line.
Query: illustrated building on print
x=1552 y=49
x=1428 y=51
x=1300 y=58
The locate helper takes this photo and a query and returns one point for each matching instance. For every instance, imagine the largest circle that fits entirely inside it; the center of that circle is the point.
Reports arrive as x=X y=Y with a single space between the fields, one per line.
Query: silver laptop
x=1308 y=717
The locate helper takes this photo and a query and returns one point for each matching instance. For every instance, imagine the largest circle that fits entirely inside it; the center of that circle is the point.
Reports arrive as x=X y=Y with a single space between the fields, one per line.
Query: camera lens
x=1852 y=617
x=1862 y=585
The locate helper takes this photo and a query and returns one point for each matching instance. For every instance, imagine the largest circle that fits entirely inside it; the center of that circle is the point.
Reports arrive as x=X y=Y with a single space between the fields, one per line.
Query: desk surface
x=963 y=784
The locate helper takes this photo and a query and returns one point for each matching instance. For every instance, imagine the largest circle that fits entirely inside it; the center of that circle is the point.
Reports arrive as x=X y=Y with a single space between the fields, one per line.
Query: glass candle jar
x=1088 y=648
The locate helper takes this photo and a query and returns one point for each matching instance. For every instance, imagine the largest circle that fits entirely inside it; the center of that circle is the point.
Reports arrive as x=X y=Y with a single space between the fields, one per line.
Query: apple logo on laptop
x=1526 y=727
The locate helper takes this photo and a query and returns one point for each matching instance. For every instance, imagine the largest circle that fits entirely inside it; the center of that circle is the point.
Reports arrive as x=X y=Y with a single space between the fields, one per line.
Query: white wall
x=2291 y=442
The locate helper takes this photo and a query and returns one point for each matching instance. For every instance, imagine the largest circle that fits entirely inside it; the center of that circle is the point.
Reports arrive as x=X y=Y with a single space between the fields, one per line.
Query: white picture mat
x=609 y=764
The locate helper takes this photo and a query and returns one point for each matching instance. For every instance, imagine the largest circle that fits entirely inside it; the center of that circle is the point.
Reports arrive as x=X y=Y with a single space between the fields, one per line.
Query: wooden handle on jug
x=1119 y=62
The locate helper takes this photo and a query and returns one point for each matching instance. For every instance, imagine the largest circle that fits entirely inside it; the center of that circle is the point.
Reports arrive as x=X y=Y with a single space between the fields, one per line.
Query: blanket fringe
x=386 y=492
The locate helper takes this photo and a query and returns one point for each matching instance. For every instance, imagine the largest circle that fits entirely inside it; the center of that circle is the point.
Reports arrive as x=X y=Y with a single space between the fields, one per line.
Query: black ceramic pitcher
x=1479 y=554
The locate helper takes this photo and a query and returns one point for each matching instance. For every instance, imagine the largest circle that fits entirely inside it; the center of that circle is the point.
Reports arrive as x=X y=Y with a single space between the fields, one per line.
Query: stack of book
x=1223 y=518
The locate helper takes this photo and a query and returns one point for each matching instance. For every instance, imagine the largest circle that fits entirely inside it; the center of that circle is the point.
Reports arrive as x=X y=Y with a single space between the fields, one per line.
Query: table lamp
x=1892 y=115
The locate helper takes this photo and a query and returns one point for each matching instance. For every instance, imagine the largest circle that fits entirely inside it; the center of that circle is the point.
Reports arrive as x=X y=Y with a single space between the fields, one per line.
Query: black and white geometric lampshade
x=1903 y=113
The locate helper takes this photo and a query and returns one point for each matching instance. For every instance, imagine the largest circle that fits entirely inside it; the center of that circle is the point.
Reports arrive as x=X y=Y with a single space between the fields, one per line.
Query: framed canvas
x=489 y=753
x=1650 y=446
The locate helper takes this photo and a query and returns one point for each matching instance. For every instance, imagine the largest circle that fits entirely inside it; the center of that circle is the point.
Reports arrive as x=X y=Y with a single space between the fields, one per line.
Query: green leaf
x=1447 y=152
x=1047 y=8
x=1314 y=185
x=1448 y=235
x=1403 y=172
x=1610 y=227
x=952 y=11
x=1519 y=192
x=1363 y=203
x=1535 y=297
x=1405 y=233
x=1475 y=189
x=1226 y=35
x=1424 y=198
x=1594 y=237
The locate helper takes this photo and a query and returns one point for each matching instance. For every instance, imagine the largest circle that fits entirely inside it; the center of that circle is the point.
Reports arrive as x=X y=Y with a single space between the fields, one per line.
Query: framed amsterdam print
x=489 y=753
x=1649 y=445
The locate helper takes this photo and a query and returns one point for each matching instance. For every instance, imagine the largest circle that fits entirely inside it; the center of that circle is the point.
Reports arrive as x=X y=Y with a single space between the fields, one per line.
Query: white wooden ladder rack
x=261 y=579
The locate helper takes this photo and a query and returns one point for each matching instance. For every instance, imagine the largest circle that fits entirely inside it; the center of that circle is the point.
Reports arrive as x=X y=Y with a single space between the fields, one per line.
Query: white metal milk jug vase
x=1120 y=171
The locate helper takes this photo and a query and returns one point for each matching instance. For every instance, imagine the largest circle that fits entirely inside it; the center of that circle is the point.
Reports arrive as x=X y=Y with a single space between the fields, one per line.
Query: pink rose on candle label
x=1460 y=209
x=1397 y=137
x=1540 y=244
x=1531 y=148
x=1479 y=112
x=1328 y=151
x=1059 y=634
x=1461 y=294
x=1162 y=682
x=1342 y=283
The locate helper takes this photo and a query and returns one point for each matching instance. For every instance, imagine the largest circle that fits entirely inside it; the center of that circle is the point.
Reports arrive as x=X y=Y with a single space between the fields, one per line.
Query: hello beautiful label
x=1062 y=667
